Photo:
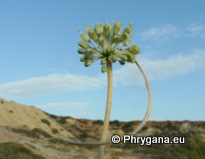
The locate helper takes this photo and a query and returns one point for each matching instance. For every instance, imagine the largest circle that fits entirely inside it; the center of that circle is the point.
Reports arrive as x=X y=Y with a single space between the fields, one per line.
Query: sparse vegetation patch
x=98 y=122
x=58 y=140
x=127 y=127
x=62 y=120
x=32 y=133
x=115 y=122
x=12 y=150
x=55 y=131
x=45 y=121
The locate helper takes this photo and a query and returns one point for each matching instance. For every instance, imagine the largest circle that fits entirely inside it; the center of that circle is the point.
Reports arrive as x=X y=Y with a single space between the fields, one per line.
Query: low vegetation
x=35 y=133
x=58 y=141
x=55 y=131
x=62 y=120
x=98 y=122
x=128 y=127
x=45 y=121
x=12 y=150
x=115 y=123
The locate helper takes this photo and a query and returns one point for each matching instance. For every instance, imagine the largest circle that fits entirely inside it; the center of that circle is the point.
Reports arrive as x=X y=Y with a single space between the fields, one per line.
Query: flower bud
x=127 y=42
x=133 y=58
x=134 y=49
x=107 y=29
x=128 y=54
x=123 y=37
x=121 y=62
x=91 y=51
x=85 y=37
x=88 y=57
x=123 y=57
x=104 y=69
x=93 y=35
x=83 y=45
x=82 y=51
x=101 y=40
x=88 y=63
x=99 y=28
x=117 y=28
x=103 y=61
x=114 y=38
x=82 y=59
x=113 y=58
x=127 y=30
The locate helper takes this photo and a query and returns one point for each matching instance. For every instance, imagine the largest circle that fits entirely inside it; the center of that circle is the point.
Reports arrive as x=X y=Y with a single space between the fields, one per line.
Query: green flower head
x=108 y=44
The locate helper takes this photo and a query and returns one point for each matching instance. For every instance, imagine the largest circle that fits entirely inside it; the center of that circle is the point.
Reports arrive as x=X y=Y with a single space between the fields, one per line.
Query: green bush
x=10 y=111
x=62 y=120
x=170 y=126
x=32 y=133
x=82 y=121
x=55 y=131
x=194 y=148
x=41 y=132
x=12 y=150
x=127 y=127
x=115 y=122
x=46 y=122
x=28 y=133
x=78 y=129
x=58 y=140
x=98 y=122
x=202 y=124
x=145 y=128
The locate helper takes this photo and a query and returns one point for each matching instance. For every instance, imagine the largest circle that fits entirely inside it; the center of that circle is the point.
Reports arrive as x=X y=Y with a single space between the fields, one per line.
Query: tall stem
x=108 y=109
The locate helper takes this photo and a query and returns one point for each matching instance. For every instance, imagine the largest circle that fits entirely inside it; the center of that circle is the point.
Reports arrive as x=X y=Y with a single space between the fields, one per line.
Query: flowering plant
x=110 y=47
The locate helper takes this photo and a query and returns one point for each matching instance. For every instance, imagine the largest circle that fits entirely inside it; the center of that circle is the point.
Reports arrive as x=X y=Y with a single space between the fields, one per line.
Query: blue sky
x=39 y=63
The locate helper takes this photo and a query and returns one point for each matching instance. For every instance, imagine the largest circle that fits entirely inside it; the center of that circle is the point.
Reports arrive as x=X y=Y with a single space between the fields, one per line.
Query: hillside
x=23 y=117
x=30 y=133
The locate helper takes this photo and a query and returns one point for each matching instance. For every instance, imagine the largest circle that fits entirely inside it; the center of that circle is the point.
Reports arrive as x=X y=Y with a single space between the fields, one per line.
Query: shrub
x=54 y=131
x=127 y=127
x=145 y=128
x=41 y=132
x=82 y=121
x=28 y=133
x=78 y=129
x=98 y=122
x=12 y=150
x=58 y=140
x=115 y=122
x=62 y=120
x=46 y=122
x=202 y=125
x=170 y=126
x=32 y=133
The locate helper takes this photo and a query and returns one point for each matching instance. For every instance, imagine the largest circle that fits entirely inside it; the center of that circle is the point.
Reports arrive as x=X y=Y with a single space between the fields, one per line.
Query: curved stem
x=138 y=128
x=149 y=102
x=108 y=109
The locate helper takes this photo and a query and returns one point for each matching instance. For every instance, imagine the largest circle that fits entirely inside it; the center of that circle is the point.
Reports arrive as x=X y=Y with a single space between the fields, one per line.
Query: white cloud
x=64 y=104
x=161 y=68
x=195 y=30
x=155 y=69
x=49 y=84
x=168 y=31
x=161 y=33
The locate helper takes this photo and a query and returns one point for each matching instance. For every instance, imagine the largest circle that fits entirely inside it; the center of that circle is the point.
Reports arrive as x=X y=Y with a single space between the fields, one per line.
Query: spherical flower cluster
x=112 y=45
